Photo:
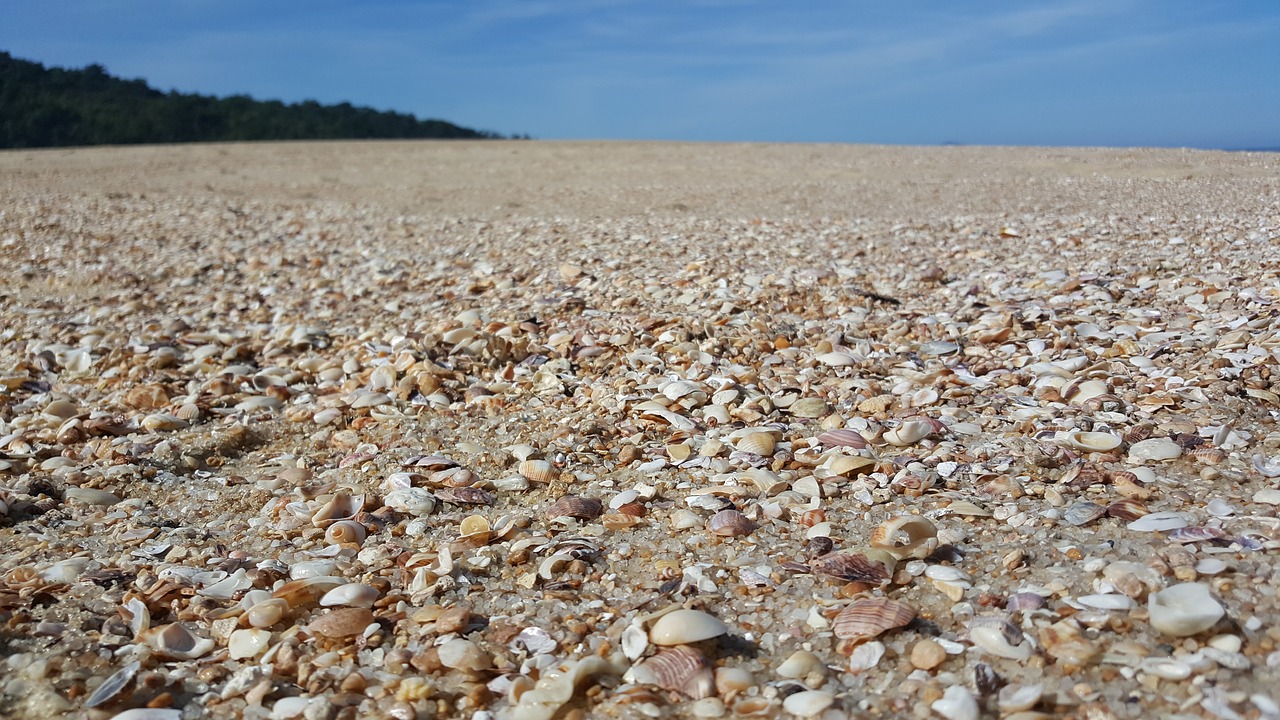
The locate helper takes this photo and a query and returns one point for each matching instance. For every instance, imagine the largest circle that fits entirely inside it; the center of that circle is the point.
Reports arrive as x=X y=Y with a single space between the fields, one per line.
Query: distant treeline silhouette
x=46 y=107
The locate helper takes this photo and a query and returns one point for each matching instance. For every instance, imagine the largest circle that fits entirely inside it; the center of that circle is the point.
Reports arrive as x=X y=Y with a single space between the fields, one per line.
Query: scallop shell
x=539 y=471
x=681 y=669
x=756 y=443
x=843 y=437
x=866 y=619
x=730 y=523
x=1092 y=441
x=176 y=642
x=577 y=507
x=345 y=532
x=351 y=595
x=341 y=507
x=1183 y=610
x=855 y=567
x=921 y=537
x=684 y=626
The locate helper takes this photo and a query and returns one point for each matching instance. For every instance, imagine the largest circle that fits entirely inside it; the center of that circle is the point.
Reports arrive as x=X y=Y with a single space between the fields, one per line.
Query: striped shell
x=465 y=496
x=865 y=619
x=681 y=669
x=1187 y=535
x=906 y=536
x=539 y=471
x=854 y=567
x=576 y=507
x=730 y=523
x=1126 y=509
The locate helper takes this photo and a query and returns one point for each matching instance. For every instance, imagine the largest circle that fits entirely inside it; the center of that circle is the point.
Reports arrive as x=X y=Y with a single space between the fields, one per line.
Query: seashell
x=874 y=567
x=350 y=595
x=1159 y=522
x=465 y=496
x=681 y=627
x=1165 y=668
x=999 y=637
x=162 y=422
x=808 y=703
x=312 y=568
x=139 y=616
x=1082 y=512
x=266 y=613
x=808 y=408
x=557 y=686
x=345 y=532
x=1023 y=601
x=1064 y=642
x=576 y=507
x=341 y=507
x=414 y=501
x=89 y=496
x=247 y=643
x=1127 y=509
x=866 y=656
x=1092 y=441
x=909 y=432
x=539 y=471
x=1183 y=610
x=730 y=523
x=1107 y=601
x=837 y=359
x=756 y=443
x=1016 y=698
x=342 y=623
x=866 y=619
x=968 y=508
x=681 y=669
x=462 y=654
x=112 y=686
x=176 y=642
x=801 y=664
x=1267 y=467
x=1154 y=450
x=906 y=536
x=475 y=530
x=146 y=713
x=1187 y=535
x=957 y=703
x=304 y=591
x=843 y=437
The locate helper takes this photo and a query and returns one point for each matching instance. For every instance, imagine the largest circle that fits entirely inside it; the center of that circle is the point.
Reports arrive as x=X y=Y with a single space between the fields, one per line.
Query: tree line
x=48 y=107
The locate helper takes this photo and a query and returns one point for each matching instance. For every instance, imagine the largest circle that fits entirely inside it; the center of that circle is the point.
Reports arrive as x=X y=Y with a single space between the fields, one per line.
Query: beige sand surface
x=1065 y=360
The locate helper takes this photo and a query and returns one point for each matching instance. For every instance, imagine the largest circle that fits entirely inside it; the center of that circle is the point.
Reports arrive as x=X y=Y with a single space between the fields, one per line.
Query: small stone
x=927 y=654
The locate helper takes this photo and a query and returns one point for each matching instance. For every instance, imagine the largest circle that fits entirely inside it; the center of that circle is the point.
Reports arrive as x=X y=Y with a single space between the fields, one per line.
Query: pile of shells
x=310 y=459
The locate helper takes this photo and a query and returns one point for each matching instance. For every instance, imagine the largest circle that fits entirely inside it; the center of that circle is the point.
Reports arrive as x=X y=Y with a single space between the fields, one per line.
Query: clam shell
x=345 y=622
x=866 y=619
x=113 y=685
x=1184 y=610
x=808 y=703
x=351 y=595
x=801 y=664
x=176 y=642
x=345 y=532
x=837 y=359
x=1187 y=535
x=1159 y=522
x=730 y=523
x=906 y=536
x=684 y=626
x=574 y=506
x=1083 y=512
x=681 y=669
x=854 y=567
x=843 y=437
x=756 y=443
x=539 y=471
x=999 y=637
x=808 y=408
x=1154 y=450
x=1016 y=698
x=1127 y=509
x=1092 y=441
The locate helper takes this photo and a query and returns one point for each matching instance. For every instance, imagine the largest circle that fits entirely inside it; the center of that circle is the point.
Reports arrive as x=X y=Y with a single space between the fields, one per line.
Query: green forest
x=48 y=107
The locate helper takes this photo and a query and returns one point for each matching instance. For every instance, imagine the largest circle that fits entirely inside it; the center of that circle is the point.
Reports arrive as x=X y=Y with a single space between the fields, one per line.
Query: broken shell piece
x=1082 y=512
x=681 y=669
x=475 y=530
x=1092 y=441
x=684 y=626
x=730 y=523
x=247 y=643
x=1159 y=522
x=176 y=642
x=957 y=703
x=874 y=566
x=350 y=595
x=808 y=703
x=1154 y=450
x=866 y=619
x=414 y=501
x=558 y=686
x=341 y=507
x=909 y=432
x=906 y=536
x=801 y=664
x=1183 y=610
x=113 y=685
x=576 y=507
x=999 y=637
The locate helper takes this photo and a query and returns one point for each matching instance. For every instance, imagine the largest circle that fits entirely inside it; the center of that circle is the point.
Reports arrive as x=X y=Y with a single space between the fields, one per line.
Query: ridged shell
x=1126 y=509
x=681 y=669
x=345 y=532
x=865 y=619
x=843 y=437
x=465 y=496
x=757 y=443
x=539 y=471
x=730 y=523
x=576 y=507
x=918 y=537
x=681 y=627
x=854 y=567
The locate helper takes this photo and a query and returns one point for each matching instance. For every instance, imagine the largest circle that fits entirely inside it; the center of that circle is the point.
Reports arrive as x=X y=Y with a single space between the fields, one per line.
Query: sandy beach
x=530 y=430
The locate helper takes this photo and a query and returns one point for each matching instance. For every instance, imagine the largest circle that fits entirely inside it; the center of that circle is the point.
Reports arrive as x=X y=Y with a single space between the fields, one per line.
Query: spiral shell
x=865 y=619
x=345 y=532
x=921 y=537
x=730 y=523
x=341 y=507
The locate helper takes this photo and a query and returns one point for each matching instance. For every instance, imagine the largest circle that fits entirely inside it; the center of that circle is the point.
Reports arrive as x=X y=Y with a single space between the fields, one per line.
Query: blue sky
x=1200 y=73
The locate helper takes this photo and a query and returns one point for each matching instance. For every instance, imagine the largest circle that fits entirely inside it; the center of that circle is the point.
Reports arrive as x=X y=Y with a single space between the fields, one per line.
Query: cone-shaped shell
x=681 y=627
x=576 y=507
x=854 y=567
x=681 y=669
x=906 y=536
x=865 y=619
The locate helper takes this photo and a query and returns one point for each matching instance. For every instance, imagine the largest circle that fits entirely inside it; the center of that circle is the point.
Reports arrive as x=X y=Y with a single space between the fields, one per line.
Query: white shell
x=247 y=643
x=1016 y=698
x=350 y=595
x=957 y=703
x=175 y=641
x=808 y=703
x=1154 y=449
x=1109 y=601
x=1185 y=609
x=909 y=432
x=837 y=359
x=866 y=656
x=634 y=642
x=1092 y=441
x=1159 y=522
x=686 y=626
x=800 y=664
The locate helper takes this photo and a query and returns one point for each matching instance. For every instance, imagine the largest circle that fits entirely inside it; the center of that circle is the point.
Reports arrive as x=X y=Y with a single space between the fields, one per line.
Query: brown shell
x=850 y=567
x=576 y=507
x=1126 y=509
x=1208 y=455
x=682 y=669
x=865 y=619
x=1083 y=475
x=344 y=622
x=1138 y=433
x=843 y=437
x=730 y=523
x=465 y=496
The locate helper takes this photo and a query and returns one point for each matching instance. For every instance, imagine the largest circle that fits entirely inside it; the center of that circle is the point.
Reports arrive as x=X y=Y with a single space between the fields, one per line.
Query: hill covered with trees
x=46 y=107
